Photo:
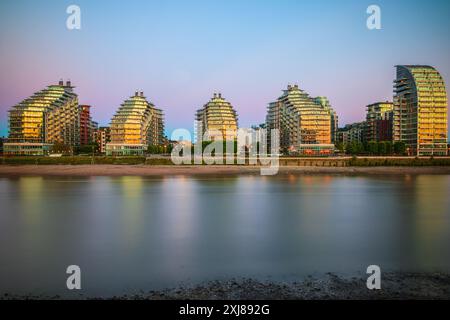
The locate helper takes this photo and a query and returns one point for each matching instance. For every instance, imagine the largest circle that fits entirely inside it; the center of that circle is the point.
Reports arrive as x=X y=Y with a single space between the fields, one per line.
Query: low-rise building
x=102 y=136
x=354 y=132
x=379 y=122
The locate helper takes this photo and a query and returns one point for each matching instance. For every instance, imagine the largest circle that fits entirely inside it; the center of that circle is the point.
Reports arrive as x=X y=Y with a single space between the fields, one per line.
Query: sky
x=181 y=52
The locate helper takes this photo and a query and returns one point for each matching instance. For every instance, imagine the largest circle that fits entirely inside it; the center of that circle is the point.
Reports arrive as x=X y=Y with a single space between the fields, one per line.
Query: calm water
x=132 y=233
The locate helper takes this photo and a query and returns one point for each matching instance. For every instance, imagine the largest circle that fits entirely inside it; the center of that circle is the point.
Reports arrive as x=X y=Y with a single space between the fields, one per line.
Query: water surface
x=132 y=233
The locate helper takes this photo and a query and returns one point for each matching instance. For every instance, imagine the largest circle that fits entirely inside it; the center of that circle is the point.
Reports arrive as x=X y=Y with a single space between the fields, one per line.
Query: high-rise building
x=420 y=110
x=136 y=125
x=379 y=121
x=48 y=117
x=325 y=103
x=87 y=126
x=218 y=118
x=303 y=122
x=102 y=136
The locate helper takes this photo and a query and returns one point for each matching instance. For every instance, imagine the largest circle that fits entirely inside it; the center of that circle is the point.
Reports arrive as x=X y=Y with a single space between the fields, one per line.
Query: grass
x=86 y=160
x=408 y=162
x=72 y=160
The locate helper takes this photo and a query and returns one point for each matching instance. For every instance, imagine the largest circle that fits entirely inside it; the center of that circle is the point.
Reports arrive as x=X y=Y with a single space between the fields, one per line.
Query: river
x=129 y=234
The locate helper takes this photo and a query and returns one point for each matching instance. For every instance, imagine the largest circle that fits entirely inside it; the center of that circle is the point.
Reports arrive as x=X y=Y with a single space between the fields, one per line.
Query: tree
x=373 y=147
x=355 y=147
x=349 y=148
x=389 y=147
x=382 y=148
x=61 y=148
x=340 y=146
x=87 y=148
x=399 y=148
x=359 y=147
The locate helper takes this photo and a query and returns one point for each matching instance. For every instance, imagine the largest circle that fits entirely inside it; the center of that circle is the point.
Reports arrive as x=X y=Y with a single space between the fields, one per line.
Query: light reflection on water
x=131 y=233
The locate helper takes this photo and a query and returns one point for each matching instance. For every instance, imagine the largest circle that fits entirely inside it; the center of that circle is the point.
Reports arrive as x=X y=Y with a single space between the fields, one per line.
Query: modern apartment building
x=325 y=103
x=87 y=126
x=303 y=122
x=420 y=110
x=136 y=125
x=218 y=119
x=354 y=132
x=48 y=117
x=379 y=118
x=102 y=136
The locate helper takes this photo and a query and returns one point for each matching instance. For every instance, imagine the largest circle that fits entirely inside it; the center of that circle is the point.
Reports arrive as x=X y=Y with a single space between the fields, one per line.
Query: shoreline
x=204 y=170
x=394 y=286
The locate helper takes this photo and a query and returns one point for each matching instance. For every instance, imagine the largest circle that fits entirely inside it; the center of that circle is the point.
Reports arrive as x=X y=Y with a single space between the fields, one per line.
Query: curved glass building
x=420 y=110
x=136 y=125
x=218 y=118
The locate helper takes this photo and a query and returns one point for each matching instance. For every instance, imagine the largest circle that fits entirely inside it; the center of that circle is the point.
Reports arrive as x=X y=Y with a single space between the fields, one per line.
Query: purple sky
x=180 y=52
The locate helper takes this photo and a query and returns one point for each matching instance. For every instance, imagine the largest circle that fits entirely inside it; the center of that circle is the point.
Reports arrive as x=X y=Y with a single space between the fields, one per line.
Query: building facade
x=325 y=103
x=50 y=116
x=102 y=136
x=354 y=132
x=379 y=123
x=136 y=125
x=1 y=145
x=420 y=110
x=304 y=123
x=87 y=126
x=218 y=119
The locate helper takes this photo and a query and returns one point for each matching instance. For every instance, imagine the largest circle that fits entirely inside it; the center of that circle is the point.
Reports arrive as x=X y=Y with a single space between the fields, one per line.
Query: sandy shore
x=394 y=285
x=146 y=170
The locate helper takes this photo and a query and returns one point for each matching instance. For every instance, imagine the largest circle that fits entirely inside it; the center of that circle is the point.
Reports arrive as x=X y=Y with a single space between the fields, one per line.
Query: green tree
x=349 y=148
x=355 y=147
x=61 y=148
x=87 y=149
x=389 y=147
x=399 y=148
x=382 y=148
x=373 y=147
x=340 y=146
x=359 y=147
